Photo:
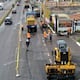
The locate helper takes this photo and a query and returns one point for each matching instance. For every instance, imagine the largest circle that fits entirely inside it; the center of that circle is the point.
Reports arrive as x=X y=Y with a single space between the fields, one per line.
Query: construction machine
x=62 y=68
x=31 y=24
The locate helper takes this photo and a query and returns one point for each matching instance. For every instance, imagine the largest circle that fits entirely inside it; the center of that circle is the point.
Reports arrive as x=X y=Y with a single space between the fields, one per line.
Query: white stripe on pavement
x=78 y=43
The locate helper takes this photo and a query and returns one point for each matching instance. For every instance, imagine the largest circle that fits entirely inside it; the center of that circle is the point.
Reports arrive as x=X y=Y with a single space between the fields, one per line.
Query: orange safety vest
x=28 y=35
x=45 y=35
x=69 y=30
x=49 y=32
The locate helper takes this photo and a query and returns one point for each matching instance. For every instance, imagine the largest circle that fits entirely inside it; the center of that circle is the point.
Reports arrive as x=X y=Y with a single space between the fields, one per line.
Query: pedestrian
x=49 y=34
x=27 y=43
x=68 y=32
x=23 y=11
x=22 y=28
x=50 y=37
x=45 y=35
x=28 y=35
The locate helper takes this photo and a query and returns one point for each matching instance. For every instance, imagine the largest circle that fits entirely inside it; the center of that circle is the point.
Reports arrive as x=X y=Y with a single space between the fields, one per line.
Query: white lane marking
x=44 y=44
x=75 y=41
x=48 y=54
x=8 y=63
x=50 y=61
x=78 y=43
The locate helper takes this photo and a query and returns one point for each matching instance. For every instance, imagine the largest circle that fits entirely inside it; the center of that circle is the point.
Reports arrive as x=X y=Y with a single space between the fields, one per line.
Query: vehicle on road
x=29 y=12
x=14 y=11
x=8 y=21
x=18 y=4
x=63 y=68
x=27 y=5
x=31 y=24
x=1 y=6
x=37 y=12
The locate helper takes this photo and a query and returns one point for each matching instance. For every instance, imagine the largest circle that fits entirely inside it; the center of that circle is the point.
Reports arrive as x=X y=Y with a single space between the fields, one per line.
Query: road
x=74 y=50
x=31 y=63
x=8 y=47
x=7 y=7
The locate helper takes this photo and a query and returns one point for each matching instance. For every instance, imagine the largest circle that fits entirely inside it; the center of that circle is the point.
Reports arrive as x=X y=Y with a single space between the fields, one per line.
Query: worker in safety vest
x=50 y=34
x=69 y=32
x=45 y=35
x=22 y=28
x=49 y=31
x=28 y=35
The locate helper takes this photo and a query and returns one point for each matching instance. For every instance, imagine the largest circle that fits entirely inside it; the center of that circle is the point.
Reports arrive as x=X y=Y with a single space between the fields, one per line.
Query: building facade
x=67 y=0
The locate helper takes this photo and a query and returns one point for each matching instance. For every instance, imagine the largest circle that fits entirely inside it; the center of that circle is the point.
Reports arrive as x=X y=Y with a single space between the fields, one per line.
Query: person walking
x=45 y=35
x=50 y=34
x=27 y=43
x=28 y=35
x=68 y=32
x=22 y=28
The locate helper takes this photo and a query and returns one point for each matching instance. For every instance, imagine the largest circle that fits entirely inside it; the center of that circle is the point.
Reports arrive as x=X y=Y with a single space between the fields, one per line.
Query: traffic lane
x=7 y=7
x=70 y=42
x=32 y=63
x=8 y=44
x=19 y=14
x=8 y=41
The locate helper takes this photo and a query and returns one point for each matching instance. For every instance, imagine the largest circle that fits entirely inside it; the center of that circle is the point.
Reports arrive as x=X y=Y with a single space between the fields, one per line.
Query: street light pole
x=40 y=10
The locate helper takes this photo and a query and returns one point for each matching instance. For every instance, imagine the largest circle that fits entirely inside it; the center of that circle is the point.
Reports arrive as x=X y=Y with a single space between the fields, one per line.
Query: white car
x=1 y=6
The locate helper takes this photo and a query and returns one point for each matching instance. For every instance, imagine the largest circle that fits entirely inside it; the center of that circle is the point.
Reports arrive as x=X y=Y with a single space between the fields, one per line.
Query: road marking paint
x=18 y=54
x=8 y=63
x=50 y=61
x=48 y=54
x=78 y=43
x=75 y=41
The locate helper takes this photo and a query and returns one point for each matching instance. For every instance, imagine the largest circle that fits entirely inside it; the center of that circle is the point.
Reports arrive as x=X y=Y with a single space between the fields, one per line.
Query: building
x=67 y=0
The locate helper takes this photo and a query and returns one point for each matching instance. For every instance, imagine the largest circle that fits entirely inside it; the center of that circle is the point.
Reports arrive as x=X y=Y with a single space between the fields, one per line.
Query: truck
x=63 y=68
x=31 y=24
x=62 y=23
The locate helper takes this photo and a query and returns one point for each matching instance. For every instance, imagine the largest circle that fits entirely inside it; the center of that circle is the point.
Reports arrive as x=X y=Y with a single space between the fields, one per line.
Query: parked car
x=8 y=21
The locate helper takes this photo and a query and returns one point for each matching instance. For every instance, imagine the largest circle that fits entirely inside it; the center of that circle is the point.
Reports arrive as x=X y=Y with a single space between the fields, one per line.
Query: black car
x=8 y=21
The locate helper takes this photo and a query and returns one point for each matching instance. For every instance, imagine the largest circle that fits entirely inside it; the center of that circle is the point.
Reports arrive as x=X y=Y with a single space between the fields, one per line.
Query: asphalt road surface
x=7 y=7
x=8 y=47
x=31 y=63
